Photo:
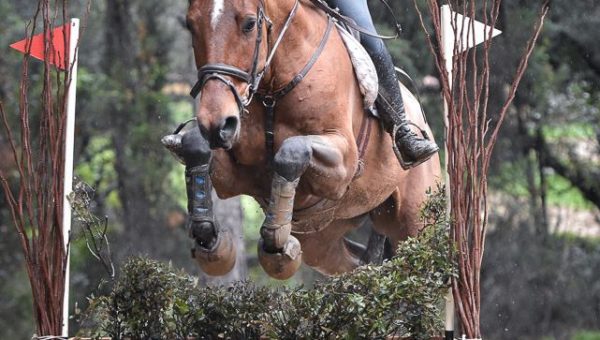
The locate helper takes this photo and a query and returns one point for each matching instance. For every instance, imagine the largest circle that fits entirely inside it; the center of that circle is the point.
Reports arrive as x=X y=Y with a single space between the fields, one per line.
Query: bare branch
x=95 y=230
x=34 y=195
x=466 y=92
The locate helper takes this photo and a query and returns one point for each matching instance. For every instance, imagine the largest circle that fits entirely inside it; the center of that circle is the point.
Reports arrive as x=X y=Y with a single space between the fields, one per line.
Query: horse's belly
x=364 y=196
x=378 y=180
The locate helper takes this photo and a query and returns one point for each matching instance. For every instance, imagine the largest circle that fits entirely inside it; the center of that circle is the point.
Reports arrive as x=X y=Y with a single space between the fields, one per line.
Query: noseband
x=220 y=71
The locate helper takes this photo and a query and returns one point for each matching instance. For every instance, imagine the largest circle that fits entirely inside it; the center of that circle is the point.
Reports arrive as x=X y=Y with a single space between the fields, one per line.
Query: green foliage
x=561 y=192
x=253 y=217
x=587 y=335
x=512 y=180
x=403 y=296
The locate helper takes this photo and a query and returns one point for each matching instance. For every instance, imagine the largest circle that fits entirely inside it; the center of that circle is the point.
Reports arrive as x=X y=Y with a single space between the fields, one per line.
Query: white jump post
x=448 y=51
x=470 y=33
x=68 y=170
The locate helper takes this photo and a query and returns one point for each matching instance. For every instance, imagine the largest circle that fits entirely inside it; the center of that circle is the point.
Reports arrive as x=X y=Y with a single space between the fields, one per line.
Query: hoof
x=276 y=239
x=220 y=259
x=284 y=264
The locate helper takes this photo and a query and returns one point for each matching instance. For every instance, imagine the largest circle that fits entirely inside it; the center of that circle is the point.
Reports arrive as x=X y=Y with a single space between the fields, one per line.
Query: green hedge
x=403 y=297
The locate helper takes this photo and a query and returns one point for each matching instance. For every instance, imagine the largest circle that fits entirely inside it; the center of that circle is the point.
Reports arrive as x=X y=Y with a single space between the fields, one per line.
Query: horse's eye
x=249 y=24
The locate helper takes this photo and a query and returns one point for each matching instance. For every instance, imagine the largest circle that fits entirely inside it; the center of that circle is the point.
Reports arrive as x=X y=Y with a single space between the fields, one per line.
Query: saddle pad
x=364 y=68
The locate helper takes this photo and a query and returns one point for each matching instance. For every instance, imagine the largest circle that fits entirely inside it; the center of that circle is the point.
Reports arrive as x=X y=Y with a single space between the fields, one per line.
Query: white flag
x=470 y=32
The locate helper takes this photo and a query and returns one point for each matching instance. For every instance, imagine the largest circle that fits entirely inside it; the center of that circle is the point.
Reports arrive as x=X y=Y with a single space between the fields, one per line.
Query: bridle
x=219 y=71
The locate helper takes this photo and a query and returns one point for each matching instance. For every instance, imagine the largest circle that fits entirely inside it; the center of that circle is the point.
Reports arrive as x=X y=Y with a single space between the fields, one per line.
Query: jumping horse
x=281 y=119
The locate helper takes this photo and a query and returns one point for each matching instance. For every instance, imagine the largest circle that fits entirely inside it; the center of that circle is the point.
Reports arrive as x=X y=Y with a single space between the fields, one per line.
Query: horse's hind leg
x=329 y=252
x=214 y=249
x=374 y=251
x=398 y=217
x=323 y=156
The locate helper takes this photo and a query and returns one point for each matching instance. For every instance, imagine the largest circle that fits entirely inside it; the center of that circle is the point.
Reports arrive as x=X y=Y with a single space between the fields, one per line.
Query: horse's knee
x=293 y=157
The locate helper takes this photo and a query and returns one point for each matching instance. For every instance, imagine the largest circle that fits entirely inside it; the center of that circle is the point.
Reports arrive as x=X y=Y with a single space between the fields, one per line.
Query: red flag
x=58 y=51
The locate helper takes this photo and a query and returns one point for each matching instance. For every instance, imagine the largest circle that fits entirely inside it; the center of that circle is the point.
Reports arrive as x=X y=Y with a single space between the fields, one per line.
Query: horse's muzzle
x=223 y=135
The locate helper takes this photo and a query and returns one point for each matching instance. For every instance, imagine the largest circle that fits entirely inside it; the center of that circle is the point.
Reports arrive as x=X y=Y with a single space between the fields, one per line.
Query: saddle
x=364 y=69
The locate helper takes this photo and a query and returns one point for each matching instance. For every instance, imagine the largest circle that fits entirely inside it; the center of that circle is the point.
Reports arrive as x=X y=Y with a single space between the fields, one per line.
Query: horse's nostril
x=228 y=127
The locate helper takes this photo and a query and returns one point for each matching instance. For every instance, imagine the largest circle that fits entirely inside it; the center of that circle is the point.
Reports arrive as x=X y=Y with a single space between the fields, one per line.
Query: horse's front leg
x=327 y=164
x=213 y=247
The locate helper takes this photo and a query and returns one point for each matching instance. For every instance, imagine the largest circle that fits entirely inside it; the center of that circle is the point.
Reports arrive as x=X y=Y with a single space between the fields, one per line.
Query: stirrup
x=407 y=165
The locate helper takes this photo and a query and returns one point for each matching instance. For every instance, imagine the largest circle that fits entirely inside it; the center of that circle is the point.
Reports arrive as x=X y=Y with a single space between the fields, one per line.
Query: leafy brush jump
x=401 y=297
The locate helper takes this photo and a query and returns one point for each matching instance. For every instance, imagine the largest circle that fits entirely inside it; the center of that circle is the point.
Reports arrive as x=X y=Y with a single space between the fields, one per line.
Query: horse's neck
x=306 y=29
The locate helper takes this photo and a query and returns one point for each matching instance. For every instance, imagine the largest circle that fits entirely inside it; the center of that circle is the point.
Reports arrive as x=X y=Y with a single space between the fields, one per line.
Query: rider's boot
x=410 y=149
x=214 y=250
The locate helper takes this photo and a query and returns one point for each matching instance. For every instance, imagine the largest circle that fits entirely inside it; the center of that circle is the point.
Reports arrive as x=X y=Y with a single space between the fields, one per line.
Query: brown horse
x=285 y=120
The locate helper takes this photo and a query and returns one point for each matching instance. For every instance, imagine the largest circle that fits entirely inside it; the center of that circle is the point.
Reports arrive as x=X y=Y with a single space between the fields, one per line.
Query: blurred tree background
x=542 y=266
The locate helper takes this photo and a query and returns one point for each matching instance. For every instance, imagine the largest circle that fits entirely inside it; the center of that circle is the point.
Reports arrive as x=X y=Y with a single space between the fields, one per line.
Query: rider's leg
x=214 y=249
x=411 y=150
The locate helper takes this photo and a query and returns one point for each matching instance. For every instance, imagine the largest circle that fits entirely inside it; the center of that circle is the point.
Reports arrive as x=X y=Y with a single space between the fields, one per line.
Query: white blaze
x=217 y=11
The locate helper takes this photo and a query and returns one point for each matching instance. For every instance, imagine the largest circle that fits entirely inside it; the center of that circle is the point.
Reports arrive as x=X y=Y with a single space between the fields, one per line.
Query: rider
x=410 y=149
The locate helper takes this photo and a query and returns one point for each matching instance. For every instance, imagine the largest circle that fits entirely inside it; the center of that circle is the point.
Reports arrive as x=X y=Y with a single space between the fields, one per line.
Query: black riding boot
x=410 y=149
x=193 y=151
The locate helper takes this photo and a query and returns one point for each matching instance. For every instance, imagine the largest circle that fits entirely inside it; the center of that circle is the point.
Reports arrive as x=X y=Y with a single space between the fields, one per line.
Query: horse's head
x=226 y=38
